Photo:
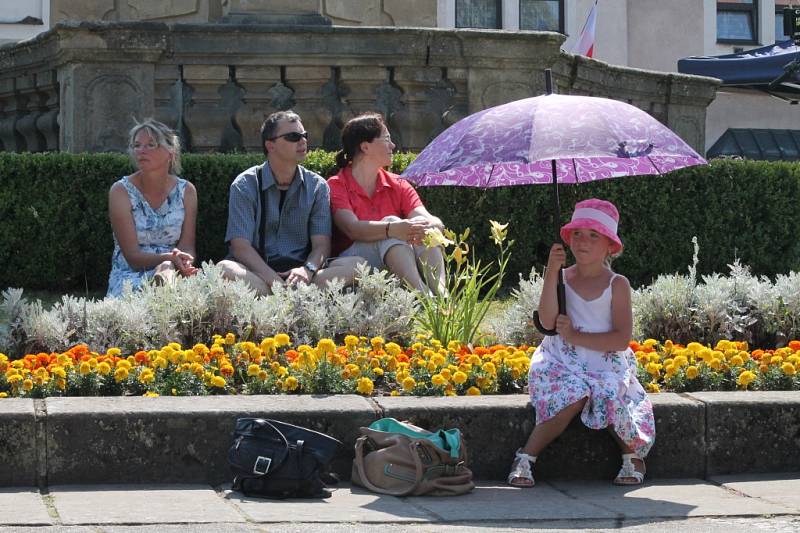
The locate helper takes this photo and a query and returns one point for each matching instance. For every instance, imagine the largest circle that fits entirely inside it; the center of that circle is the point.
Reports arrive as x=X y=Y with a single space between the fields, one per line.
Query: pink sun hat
x=598 y=215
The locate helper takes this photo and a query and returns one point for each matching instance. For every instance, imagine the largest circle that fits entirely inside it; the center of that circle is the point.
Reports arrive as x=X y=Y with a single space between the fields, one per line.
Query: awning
x=755 y=68
x=772 y=145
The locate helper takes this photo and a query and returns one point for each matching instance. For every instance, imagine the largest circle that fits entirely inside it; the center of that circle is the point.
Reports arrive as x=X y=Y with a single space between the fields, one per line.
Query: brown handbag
x=400 y=459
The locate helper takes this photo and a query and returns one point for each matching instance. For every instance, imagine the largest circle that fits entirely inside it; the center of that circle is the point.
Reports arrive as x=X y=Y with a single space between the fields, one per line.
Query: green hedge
x=55 y=235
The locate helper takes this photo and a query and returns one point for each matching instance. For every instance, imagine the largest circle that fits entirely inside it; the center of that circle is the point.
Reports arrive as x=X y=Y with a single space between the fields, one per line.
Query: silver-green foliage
x=736 y=306
x=515 y=325
x=194 y=309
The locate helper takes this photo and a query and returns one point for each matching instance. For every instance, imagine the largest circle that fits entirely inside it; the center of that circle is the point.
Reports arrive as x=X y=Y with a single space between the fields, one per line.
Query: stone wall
x=407 y=13
x=79 y=86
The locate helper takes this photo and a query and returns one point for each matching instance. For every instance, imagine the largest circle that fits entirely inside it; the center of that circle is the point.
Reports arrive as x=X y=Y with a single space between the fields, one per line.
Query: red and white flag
x=585 y=43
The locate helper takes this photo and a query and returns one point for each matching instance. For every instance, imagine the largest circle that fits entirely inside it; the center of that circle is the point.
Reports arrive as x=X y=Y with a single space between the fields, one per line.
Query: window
x=478 y=14
x=736 y=21
x=543 y=15
x=780 y=5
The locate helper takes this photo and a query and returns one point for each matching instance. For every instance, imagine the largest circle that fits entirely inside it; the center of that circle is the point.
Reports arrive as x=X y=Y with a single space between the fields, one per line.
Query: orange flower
x=795 y=346
x=756 y=354
x=402 y=358
x=291 y=355
x=635 y=346
x=141 y=357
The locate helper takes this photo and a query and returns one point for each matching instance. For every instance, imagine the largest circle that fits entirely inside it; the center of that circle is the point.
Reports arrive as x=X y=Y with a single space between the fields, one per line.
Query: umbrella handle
x=561 y=296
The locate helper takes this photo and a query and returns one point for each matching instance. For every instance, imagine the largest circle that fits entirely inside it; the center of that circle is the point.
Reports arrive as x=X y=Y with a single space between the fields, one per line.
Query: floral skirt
x=613 y=400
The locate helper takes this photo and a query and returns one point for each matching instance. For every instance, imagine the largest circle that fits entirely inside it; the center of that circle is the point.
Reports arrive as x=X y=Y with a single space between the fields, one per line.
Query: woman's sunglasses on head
x=292 y=136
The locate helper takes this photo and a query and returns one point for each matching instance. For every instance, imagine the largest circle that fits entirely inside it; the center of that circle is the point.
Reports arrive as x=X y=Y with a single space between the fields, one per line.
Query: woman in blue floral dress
x=588 y=368
x=153 y=212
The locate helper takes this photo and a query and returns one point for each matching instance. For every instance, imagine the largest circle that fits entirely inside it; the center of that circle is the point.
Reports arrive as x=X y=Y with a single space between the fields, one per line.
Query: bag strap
x=262 y=195
x=362 y=472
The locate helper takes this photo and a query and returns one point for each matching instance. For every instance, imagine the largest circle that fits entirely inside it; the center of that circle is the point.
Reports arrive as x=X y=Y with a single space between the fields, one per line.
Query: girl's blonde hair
x=164 y=137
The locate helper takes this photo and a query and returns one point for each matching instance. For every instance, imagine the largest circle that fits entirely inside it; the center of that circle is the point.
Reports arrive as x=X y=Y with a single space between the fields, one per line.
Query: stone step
x=58 y=441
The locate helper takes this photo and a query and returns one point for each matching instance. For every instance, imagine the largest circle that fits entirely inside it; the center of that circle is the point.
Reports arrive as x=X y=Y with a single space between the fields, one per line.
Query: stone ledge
x=167 y=440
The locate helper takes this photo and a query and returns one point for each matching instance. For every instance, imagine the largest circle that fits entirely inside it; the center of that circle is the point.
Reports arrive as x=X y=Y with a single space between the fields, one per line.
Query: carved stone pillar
x=12 y=107
x=319 y=102
x=431 y=102
x=211 y=115
x=99 y=103
x=265 y=93
x=47 y=120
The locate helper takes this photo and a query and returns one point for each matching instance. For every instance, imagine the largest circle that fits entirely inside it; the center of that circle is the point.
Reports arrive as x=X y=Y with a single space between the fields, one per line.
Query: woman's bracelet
x=387 y=229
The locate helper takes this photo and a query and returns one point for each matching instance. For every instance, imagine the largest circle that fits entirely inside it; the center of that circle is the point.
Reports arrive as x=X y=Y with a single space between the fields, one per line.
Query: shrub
x=55 y=233
x=194 y=309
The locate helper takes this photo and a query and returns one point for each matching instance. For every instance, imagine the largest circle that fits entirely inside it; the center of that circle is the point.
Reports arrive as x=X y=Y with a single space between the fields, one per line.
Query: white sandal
x=521 y=470
x=628 y=475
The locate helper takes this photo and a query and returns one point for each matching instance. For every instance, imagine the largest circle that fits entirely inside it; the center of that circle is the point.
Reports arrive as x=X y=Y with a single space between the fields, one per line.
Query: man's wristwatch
x=311 y=267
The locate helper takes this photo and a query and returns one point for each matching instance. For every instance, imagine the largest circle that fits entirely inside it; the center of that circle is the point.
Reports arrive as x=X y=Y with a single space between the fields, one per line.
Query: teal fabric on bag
x=448 y=440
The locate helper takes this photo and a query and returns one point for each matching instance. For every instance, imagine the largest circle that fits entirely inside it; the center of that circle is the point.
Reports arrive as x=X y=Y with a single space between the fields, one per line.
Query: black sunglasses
x=292 y=136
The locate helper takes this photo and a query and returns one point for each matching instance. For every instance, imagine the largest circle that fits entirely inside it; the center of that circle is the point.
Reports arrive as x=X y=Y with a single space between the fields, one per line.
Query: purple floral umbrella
x=520 y=143
x=551 y=139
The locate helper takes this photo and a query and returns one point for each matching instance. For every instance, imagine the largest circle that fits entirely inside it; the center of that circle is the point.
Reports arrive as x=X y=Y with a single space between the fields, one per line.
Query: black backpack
x=274 y=459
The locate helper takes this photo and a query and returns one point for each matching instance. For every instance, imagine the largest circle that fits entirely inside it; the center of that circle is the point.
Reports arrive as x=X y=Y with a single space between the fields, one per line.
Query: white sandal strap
x=628 y=470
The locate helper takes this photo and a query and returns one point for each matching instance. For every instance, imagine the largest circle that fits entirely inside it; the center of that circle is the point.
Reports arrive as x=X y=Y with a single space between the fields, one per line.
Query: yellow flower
x=653 y=387
x=291 y=383
x=253 y=370
x=218 y=382
x=351 y=341
x=776 y=360
x=150 y=394
x=282 y=339
x=649 y=343
x=394 y=393
x=3 y=395
x=377 y=371
x=499 y=232
x=113 y=352
x=262 y=375
x=365 y=386
x=230 y=339
x=745 y=378
x=159 y=362
x=736 y=360
x=409 y=383
x=434 y=237
x=692 y=372
x=489 y=368
x=438 y=380
x=59 y=371
x=325 y=346
x=654 y=369
x=393 y=349
x=473 y=391
x=27 y=384
x=788 y=369
x=377 y=343
x=459 y=377
x=85 y=368
x=120 y=374
x=146 y=376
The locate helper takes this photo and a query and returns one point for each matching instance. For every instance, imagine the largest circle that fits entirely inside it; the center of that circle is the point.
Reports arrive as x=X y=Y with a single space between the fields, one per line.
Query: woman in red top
x=376 y=214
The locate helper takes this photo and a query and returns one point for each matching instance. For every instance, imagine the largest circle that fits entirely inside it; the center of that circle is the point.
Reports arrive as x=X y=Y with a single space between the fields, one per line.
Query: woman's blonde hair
x=164 y=137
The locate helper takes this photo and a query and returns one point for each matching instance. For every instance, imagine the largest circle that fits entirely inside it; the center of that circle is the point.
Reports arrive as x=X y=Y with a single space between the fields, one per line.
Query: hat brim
x=587 y=223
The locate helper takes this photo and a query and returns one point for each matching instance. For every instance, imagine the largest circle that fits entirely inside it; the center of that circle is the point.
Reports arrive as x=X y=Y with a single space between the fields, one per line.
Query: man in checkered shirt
x=290 y=241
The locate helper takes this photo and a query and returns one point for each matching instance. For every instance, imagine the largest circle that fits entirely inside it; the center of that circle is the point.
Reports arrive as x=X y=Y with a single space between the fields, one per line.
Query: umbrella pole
x=560 y=290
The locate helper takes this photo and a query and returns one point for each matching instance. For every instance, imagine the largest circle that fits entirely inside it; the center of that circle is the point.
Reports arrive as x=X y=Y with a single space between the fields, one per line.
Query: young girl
x=588 y=367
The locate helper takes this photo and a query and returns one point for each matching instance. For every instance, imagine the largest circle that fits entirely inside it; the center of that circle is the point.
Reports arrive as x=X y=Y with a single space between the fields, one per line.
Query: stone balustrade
x=79 y=86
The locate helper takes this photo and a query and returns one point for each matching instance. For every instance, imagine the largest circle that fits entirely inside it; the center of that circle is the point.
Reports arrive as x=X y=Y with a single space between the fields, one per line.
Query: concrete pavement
x=730 y=503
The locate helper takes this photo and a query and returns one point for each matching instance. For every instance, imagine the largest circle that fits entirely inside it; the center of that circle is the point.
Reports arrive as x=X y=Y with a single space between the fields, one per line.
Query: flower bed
x=369 y=367
x=729 y=365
